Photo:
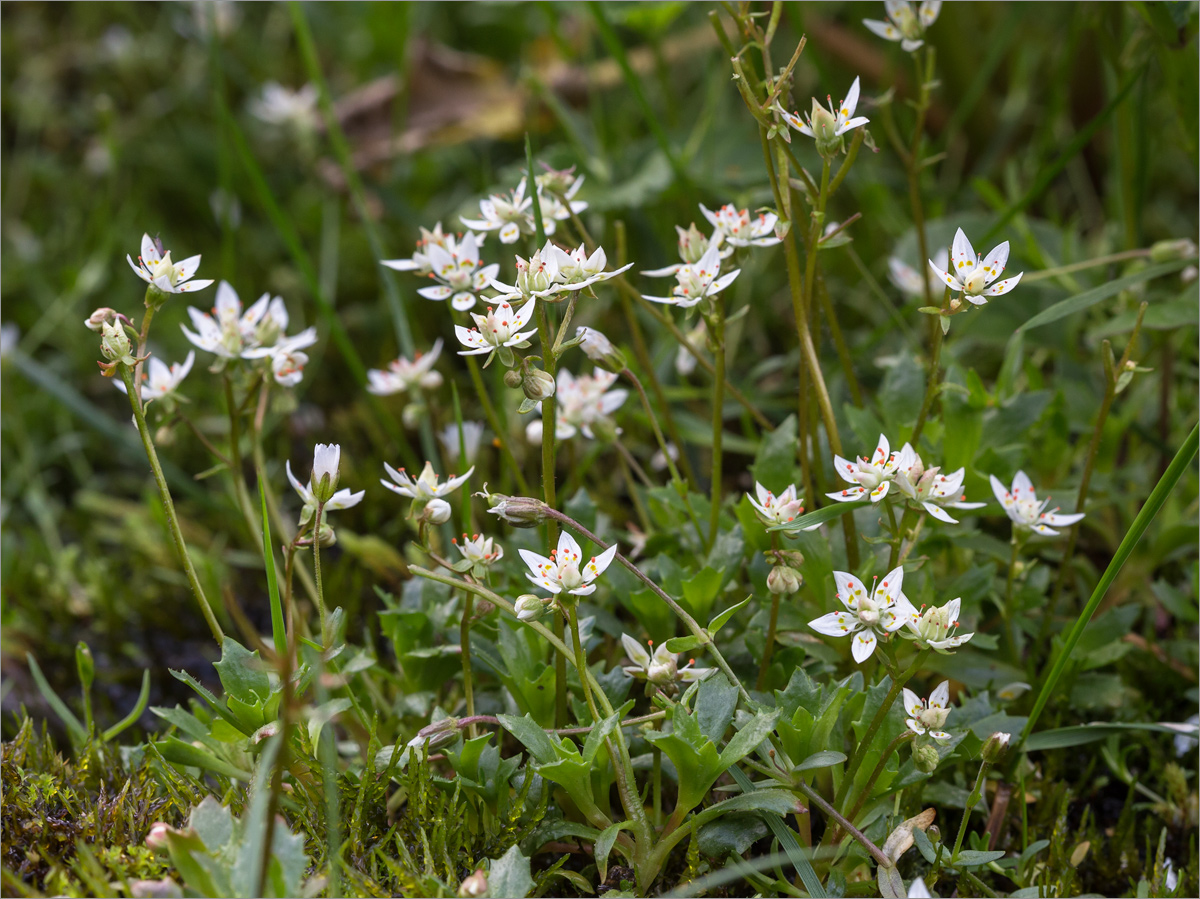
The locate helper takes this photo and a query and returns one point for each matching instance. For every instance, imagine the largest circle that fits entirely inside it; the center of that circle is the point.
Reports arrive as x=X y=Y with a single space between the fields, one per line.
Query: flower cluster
x=585 y=404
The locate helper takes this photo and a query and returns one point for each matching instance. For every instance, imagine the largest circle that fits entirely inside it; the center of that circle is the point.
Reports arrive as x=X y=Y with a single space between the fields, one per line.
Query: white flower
x=583 y=401
x=692 y=245
x=908 y=279
x=326 y=457
x=971 y=274
x=424 y=488
x=472 y=436
x=905 y=24
x=562 y=570
x=419 y=262
x=661 y=668
x=555 y=210
x=279 y=105
x=159 y=381
x=935 y=627
x=1021 y=504
x=436 y=511
x=230 y=334
x=593 y=343
x=843 y=116
x=342 y=499
x=699 y=280
x=871 y=477
x=459 y=272
x=287 y=367
x=577 y=270
x=928 y=716
x=658 y=461
x=509 y=214
x=402 y=375
x=501 y=328
x=918 y=890
x=479 y=550
x=154 y=266
x=739 y=229
x=780 y=509
x=934 y=491
x=885 y=611
x=537 y=277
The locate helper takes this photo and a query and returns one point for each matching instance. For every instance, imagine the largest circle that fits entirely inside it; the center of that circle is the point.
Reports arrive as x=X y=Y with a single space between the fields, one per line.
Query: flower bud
x=474 y=886
x=538 y=385
x=157 y=838
x=439 y=733
x=791 y=557
x=436 y=511
x=994 y=747
x=926 y=758
x=824 y=129
x=85 y=665
x=1170 y=250
x=413 y=414
x=114 y=343
x=530 y=607
x=327 y=536
x=512 y=378
x=265 y=732
x=96 y=320
x=604 y=429
x=326 y=459
x=600 y=350
x=783 y=580
x=557 y=181
x=692 y=244
x=165 y=888
x=519 y=511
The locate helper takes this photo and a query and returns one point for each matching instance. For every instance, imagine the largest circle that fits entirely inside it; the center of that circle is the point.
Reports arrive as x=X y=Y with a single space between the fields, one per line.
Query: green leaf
x=212 y=822
x=135 y=713
x=973 y=858
x=824 y=759
x=604 y=845
x=776 y=459
x=924 y=845
x=1063 y=737
x=700 y=591
x=323 y=714
x=746 y=740
x=787 y=839
x=1088 y=298
x=242 y=673
x=722 y=619
x=598 y=733
x=77 y=730
x=278 y=629
x=716 y=700
x=532 y=737
x=891 y=884
x=684 y=644
x=176 y=751
x=509 y=876
x=820 y=516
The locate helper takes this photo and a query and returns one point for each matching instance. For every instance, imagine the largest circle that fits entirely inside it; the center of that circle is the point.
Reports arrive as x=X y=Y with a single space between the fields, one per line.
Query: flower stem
x=773 y=623
x=716 y=327
x=972 y=801
x=833 y=814
x=168 y=505
x=489 y=412
x=867 y=787
x=581 y=660
x=935 y=361
x=464 y=642
x=1010 y=637
x=316 y=545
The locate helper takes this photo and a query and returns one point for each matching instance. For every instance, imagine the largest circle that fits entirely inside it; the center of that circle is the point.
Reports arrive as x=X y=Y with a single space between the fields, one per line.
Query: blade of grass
x=1082 y=301
x=1179 y=465
x=74 y=727
x=278 y=630
x=136 y=713
x=787 y=840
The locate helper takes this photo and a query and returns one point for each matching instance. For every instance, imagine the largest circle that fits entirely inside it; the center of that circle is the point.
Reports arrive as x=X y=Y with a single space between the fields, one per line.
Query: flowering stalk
x=883 y=759
x=716 y=327
x=139 y=417
x=581 y=659
x=316 y=544
x=935 y=361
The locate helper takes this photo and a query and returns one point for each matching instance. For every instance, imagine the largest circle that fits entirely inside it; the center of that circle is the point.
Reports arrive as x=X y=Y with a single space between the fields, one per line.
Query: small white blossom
x=583 y=401
x=928 y=716
x=692 y=246
x=287 y=366
x=425 y=487
x=866 y=618
x=537 y=277
x=159 y=380
x=936 y=627
x=284 y=107
x=154 y=266
x=905 y=24
x=472 y=436
x=323 y=457
x=908 y=279
x=843 y=118
x=685 y=362
x=1027 y=513
x=927 y=486
x=459 y=272
x=229 y=334
x=419 y=261
x=698 y=281
x=402 y=375
x=577 y=270
x=918 y=890
x=507 y=213
x=661 y=668
x=871 y=477
x=971 y=274
x=781 y=509
x=501 y=328
x=479 y=550
x=562 y=571
x=740 y=229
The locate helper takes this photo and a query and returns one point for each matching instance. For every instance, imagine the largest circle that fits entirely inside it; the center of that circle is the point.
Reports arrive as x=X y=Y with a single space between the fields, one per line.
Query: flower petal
x=863 y=645
x=849 y=589
x=962 y=254
x=836 y=624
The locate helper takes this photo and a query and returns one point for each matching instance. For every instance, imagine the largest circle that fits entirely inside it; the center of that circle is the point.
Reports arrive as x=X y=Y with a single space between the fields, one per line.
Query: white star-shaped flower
x=154 y=266
x=563 y=572
x=843 y=117
x=1027 y=513
x=781 y=509
x=507 y=213
x=426 y=486
x=928 y=716
x=740 y=229
x=934 y=491
x=904 y=24
x=908 y=279
x=883 y=612
x=160 y=381
x=971 y=275
x=499 y=328
x=699 y=280
x=459 y=272
x=325 y=462
x=936 y=627
x=871 y=477
x=661 y=668
x=402 y=374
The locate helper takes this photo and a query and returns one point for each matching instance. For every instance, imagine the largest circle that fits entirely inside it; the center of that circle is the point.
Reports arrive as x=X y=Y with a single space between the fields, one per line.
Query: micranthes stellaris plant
x=835 y=756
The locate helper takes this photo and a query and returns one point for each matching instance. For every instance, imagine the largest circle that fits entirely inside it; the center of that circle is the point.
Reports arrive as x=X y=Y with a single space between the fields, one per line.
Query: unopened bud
x=926 y=758
x=474 y=886
x=157 y=838
x=264 y=732
x=436 y=511
x=512 y=378
x=600 y=350
x=519 y=511
x=326 y=459
x=824 y=129
x=692 y=244
x=85 y=665
x=994 y=747
x=97 y=319
x=439 y=733
x=1170 y=250
x=604 y=429
x=114 y=343
x=530 y=607
x=538 y=385
x=783 y=580
x=791 y=557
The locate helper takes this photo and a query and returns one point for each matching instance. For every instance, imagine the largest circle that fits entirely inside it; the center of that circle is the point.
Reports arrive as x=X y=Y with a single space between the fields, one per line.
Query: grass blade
x=1158 y=496
x=76 y=729
x=787 y=839
x=1082 y=301
x=278 y=630
x=130 y=719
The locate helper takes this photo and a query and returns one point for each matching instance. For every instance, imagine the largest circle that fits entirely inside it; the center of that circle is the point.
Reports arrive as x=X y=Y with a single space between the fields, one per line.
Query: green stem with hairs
x=164 y=492
x=316 y=545
x=870 y=784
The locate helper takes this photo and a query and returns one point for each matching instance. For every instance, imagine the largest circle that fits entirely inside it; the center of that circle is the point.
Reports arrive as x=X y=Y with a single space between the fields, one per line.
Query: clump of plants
x=608 y=658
